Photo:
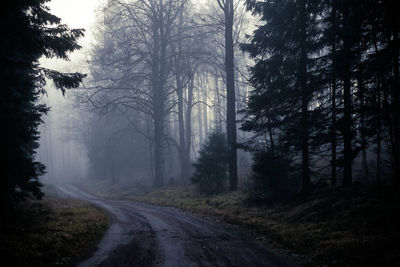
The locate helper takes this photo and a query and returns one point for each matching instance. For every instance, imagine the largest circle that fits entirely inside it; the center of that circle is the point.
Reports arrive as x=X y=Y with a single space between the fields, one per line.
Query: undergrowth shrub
x=210 y=172
x=271 y=177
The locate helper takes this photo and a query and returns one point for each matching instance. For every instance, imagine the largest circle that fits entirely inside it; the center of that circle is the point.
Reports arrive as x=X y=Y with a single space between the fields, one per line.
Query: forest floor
x=51 y=232
x=356 y=226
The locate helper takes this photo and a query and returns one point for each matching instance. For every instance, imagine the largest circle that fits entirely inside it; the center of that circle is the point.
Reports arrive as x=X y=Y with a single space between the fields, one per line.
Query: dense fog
x=105 y=130
x=154 y=92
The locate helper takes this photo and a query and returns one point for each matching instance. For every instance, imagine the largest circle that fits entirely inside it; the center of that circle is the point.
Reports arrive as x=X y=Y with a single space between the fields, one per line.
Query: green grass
x=51 y=232
x=357 y=226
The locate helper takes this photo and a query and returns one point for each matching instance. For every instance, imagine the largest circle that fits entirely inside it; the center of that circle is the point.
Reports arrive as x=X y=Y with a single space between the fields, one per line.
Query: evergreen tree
x=332 y=63
x=28 y=32
x=285 y=73
x=212 y=167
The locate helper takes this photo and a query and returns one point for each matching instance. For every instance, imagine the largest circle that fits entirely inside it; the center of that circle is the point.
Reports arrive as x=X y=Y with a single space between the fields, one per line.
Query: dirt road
x=145 y=235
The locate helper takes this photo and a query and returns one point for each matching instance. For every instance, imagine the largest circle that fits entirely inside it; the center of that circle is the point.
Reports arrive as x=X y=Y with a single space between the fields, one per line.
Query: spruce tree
x=211 y=169
x=286 y=69
x=28 y=32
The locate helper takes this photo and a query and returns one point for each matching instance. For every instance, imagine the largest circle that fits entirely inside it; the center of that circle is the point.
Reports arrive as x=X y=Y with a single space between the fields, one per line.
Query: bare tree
x=132 y=65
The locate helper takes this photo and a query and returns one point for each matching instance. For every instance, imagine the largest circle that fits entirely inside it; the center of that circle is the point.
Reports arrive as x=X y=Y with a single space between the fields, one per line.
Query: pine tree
x=284 y=49
x=28 y=32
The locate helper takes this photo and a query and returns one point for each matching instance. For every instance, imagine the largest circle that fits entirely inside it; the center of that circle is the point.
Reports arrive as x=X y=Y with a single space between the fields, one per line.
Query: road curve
x=146 y=235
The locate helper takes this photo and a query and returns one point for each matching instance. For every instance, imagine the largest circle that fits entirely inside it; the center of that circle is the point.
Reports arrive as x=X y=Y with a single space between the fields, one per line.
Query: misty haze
x=200 y=133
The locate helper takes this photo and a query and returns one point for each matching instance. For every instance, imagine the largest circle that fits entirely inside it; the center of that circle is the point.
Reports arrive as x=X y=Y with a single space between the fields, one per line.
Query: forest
x=281 y=118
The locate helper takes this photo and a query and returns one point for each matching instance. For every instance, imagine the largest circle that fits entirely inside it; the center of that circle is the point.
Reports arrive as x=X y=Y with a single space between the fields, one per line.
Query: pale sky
x=76 y=14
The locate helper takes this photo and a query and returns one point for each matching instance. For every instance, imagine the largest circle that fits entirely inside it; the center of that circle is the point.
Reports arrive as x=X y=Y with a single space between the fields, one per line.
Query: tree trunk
x=230 y=100
x=182 y=143
x=347 y=138
x=199 y=117
x=363 y=129
x=180 y=95
x=159 y=151
x=396 y=104
x=189 y=120
x=378 y=140
x=218 y=116
x=333 y=133
x=158 y=137
x=302 y=76
x=158 y=81
x=205 y=116
x=347 y=178
x=334 y=85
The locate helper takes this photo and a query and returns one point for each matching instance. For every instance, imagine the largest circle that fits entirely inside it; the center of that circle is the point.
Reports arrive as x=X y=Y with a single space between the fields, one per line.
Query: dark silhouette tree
x=29 y=32
x=286 y=69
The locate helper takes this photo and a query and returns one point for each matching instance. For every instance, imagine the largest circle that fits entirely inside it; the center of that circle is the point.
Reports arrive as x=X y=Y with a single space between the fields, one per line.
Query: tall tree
x=228 y=9
x=346 y=76
x=147 y=31
x=286 y=68
x=333 y=41
x=31 y=32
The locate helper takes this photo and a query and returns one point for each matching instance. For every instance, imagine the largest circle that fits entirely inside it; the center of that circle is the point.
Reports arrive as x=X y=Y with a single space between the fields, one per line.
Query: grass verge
x=51 y=232
x=357 y=226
